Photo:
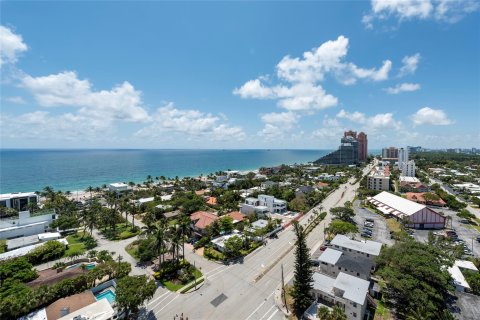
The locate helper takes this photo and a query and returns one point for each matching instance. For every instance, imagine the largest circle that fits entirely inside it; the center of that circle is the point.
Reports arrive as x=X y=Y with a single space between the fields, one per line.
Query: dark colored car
x=323 y=248
x=366 y=235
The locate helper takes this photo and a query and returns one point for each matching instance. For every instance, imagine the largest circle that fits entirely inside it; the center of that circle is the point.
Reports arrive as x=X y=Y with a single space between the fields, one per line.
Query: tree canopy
x=416 y=278
x=132 y=291
x=303 y=273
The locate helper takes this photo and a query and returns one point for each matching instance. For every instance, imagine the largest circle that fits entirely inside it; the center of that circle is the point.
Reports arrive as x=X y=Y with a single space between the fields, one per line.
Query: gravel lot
x=380 y=229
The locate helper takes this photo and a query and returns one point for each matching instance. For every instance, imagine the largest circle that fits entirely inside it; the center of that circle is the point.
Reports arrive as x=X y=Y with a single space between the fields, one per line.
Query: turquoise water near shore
x=23 y=170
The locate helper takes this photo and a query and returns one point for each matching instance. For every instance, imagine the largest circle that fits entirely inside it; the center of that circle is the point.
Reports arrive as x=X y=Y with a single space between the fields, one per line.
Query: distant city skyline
x=233 y=75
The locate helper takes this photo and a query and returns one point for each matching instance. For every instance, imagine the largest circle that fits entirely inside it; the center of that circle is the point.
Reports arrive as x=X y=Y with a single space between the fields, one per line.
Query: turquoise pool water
x=89 y=266
x=109 y=295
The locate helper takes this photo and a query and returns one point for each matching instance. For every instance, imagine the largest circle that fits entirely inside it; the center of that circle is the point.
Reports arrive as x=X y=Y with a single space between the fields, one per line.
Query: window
x=354 y=315
x=368 y=255
x=358 y=274
x=339 y=268
x=355 y=304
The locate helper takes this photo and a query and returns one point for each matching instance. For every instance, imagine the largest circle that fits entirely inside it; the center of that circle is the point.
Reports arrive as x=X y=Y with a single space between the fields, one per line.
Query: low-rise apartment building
x=26 y=224
x=18 y=201
x=332 y=262
x=264 y=205
x=346 y=291
x=379 y=179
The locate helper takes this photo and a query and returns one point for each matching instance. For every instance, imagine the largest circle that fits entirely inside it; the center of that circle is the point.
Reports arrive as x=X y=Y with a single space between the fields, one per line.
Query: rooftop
x=355 y=289
x=330 y=256
x=259 y=224
x=409 y=179
x=118 y=185
x=465 y=264
x=400 y=204
x=368 y=246
x=236 y=216
x=73 y=303
x=203 y=219
x=6 y=196
x=99 y=310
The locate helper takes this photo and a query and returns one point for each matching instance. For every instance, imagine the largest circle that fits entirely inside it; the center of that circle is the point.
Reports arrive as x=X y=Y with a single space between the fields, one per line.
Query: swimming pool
x=108 y=294
x=88 y=266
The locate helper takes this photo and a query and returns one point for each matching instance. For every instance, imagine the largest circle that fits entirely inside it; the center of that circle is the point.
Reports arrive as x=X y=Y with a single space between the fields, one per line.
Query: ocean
x=24 y=170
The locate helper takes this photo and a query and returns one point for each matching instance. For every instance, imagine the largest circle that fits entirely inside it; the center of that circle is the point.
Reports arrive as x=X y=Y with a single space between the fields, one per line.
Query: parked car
x=368 y=224
x=366 y=235
x=478 y=239
x=367 y=231
x=370 y=220
x=323 y=248
x=315 y=262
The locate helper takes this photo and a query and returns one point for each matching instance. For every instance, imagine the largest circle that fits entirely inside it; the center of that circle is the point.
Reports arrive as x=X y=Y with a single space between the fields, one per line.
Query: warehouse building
x=413 y=215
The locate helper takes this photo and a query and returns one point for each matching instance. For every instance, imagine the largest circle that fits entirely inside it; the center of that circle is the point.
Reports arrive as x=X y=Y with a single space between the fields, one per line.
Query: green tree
x=132 y=291
x=303 y=273
x=473 y=279
x=341 y=227
x=465 y=214
x=336 y=313
x=226 y=224
x=233 y=246
x=343 y=213
x=416 y=278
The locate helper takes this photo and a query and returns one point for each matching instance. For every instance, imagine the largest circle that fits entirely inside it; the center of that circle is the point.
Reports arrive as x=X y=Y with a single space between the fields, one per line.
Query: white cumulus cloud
x=122 y=102
x=299 y=78
x=450 y=11
x=11 y=46
x=431 y=116
x=403 y=87
x=409 y=65
x=372 y=123
x=193 y=124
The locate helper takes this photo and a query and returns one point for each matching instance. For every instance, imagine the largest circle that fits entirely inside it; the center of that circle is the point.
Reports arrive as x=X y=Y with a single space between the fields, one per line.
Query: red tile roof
x=418 y=197
x=236 y=216
x=203 y=219
x=322 y=184
x=212 y=201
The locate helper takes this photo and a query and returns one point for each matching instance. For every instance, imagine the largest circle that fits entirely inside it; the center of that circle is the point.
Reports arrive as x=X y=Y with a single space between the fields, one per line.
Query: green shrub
x=202 y=242
x=49 y=251
x=213 y=254
x=17 y=269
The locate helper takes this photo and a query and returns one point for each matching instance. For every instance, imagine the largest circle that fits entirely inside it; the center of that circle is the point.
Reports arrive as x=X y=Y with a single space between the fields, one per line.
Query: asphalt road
x=239 y=291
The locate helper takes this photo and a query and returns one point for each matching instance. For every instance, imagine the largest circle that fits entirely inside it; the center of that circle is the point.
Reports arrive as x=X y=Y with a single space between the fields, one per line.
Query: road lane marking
x=261 y=304
x=217 y=273
x=161 y=301
x=268 y=311
x=152 y=301
x=167 y=304
x=209 y=272
x=273 y=314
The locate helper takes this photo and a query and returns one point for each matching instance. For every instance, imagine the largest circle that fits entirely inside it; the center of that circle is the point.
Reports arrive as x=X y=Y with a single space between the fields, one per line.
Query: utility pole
x=283 y=291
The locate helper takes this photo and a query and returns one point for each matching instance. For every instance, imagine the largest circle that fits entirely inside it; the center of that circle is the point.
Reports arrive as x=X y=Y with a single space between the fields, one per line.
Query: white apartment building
x=332 y=262
x=18 y=201
x=26 y=224
x=263 y=205
x=119 y=187
x=402 y=157
x=408 y=169
x=379 y=180
x=346 y=291
x=356 y=248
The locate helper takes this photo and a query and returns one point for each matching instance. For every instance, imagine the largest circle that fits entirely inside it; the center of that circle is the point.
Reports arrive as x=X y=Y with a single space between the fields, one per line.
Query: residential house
x=212 y=201
x=322 y=185
x=303 y=190
x=236 y=216
x=18 y=201
x=26 y=224
x=412 y=184
x=264 y=205
x=201 y=220
x=268 y=184
x=119 y=187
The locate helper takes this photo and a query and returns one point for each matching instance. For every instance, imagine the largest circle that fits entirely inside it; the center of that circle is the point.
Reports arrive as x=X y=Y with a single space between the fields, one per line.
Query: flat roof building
x=366 y=248
x=18 y=201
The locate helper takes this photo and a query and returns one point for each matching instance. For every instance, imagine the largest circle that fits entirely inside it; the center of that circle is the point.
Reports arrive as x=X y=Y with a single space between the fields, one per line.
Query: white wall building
x=379 y=179
x=119 y=187
x=263 y=205
x=413 y=214
x=356 y=248
x=408 y=168
x=348 y=292
x=402 y=157
x=18 y=201
x=332 y=262
x=458 y=278
x=26 y=224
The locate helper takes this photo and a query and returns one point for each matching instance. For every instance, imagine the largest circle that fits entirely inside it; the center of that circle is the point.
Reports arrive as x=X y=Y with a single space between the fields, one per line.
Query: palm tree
x=48 y=193
x=159 y=232
x=90 y=189
x=184 y=226
x=133 y=211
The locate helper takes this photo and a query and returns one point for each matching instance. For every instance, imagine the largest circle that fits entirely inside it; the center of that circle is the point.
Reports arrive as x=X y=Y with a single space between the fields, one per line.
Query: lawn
x=3 y=246
x=77 y=245
x=122 y=231
x=394 y=225
x=132 y=249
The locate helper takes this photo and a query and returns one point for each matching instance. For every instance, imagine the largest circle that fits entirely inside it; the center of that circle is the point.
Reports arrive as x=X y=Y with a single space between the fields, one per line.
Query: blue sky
x=239 y=74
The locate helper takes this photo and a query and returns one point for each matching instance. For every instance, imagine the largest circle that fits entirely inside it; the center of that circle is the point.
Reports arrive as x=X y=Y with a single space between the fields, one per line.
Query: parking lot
x=464 y=231
x=380 y=230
